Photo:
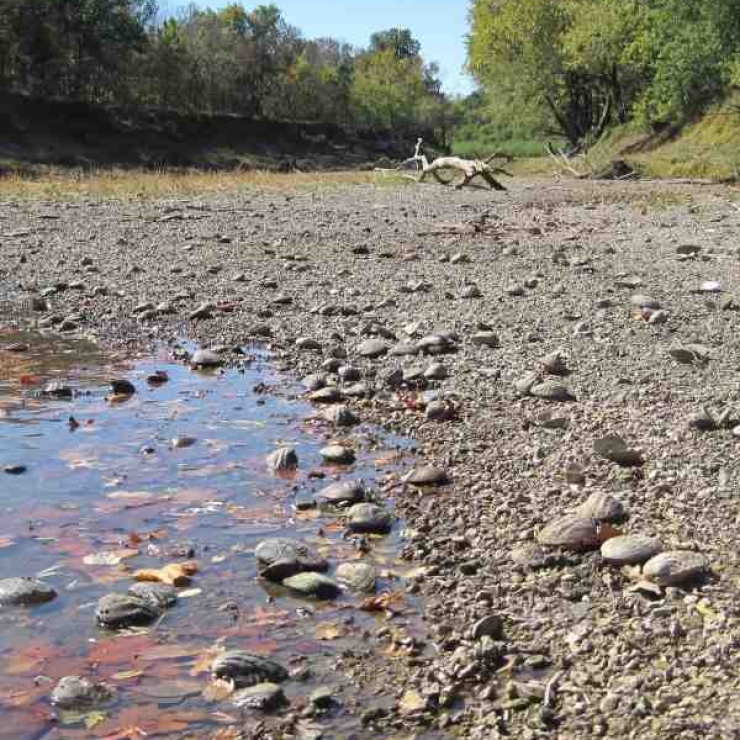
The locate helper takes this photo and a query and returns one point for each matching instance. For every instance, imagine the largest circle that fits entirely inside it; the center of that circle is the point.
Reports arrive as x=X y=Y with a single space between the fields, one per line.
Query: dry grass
x=145 y=185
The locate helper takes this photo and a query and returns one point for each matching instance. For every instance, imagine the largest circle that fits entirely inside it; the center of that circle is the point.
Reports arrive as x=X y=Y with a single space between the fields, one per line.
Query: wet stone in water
x=284 y=459
x=75 y=693
x=246 y=669
x=157 y=595
x=342 y=492
x=358 y=576
x=279 y=558
x=121 y=610
x=25 y=592
x=262 y=697
x=314 y=585
x=341 y=416
x=369 y=518
x=205 y=358
x=337 y=455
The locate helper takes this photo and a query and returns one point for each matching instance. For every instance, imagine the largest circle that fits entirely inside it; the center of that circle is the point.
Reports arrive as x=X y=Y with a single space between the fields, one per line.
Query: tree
x=399 y=40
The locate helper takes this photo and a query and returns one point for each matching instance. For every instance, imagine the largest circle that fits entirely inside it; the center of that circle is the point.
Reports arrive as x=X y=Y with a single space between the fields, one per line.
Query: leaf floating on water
x=114 y=557
x=175 y=574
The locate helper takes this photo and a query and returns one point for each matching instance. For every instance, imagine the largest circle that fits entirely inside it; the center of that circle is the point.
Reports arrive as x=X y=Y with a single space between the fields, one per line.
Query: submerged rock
x=369 y=518
x=282 y=460
x=279 y=558
x=313 y=584
x=75 y=693
x=158 y=595
x=262 y=697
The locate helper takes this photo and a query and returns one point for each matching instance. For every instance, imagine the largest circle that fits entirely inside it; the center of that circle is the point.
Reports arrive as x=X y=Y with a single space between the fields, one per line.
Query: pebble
x=124 y=610
x=615 y=449
x=342 y=492
x=282 y=460
x=74 y=693
x=373 y=348
x=157 y=595
x=341 y=416
x=675 y=567
x=369 y=518
x=490 y=626
x=630 y=549
x=332 y=394
x=337 y=455
x=205 y=358
x=358 y=576
x=550 y=390
x=313 y=584
x=262 y=697
x=601 y=507
x=486 y=339
x=427 y=475
x=246 y=669
x=571 y=533
x=279 y=558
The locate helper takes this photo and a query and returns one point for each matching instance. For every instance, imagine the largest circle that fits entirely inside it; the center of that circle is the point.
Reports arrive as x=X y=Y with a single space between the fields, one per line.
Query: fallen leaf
x=174 y=574
x=110 y=557
x=330 y=631
x=382 y=602
x=126 y=675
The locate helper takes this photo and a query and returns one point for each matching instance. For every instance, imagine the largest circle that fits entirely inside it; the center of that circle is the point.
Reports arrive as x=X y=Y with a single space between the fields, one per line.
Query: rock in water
x=313 y=584
x=205 y=358
x=675 y=567
x=369 y=518
x=602 y=507
x=343 y=492
x=25 y=592
x=122 y=387
x=158 y=595
x=120 y=610
x=630 y=549
x=262 y=697
x=341 y=416
x=279 y=558
x=245 y=669
x=358 y=576
x=337 y=455
x=571 y=533
x=75 y=693
x=282 y=460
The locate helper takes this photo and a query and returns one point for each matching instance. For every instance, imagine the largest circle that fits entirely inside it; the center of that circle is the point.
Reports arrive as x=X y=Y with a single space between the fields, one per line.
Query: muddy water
x=105 y=492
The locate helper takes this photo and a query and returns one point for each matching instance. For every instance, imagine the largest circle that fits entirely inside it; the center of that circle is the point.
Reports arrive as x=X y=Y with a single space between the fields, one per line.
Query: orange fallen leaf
x=218 y=690
x=330 y=631
x=174 y=574
x=383 y=602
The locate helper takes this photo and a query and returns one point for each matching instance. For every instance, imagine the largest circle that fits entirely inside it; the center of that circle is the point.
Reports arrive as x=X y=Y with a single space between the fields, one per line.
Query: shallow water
x=104 y=483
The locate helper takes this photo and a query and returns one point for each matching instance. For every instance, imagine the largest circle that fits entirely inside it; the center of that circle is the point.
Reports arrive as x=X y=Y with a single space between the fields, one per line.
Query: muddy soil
x=637 y=286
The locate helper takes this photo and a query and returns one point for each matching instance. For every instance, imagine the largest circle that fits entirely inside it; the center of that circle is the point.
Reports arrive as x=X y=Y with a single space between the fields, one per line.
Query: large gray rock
x=74 y=693
x=630 y=549
x=342 y=492
x=262 y=697
x=25 y=592
x=369 y=518
x=675 y=567
x=124 y=610
x=314 y=585
x=358 y=576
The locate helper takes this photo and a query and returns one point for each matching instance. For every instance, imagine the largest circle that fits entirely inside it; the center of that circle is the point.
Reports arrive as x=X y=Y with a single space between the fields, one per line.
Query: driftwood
x=470 y=169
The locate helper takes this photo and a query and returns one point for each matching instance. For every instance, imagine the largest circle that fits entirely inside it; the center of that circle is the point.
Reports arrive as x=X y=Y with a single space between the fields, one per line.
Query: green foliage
x=583 y=64
x=234 y=60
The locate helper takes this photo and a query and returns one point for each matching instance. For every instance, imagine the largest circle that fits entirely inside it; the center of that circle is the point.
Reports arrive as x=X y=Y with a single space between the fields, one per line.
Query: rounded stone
x=284 y=459
x=341 y=416
x=25 y=592
x=158 y=595
x=602 y=507
x=262 y=697
x=279 y=558
x=369 y=518
x=358 y=576
x=332 y=394
x=491 y=626
x=312 y=584
x=630 y=549
x=205 y=358
x=571 y=533
x=338 y=455
x=342 y=492
x=436 y=371
x=73 y=692
x=644 y=301
x=373 y=348
x=486 y=339
x=552 y=391
x=246 y=669
x=123 y=610
x=675 y=567
x=426 y=475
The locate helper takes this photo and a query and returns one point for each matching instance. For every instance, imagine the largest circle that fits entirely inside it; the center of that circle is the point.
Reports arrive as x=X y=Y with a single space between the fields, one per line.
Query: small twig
x=551 y=688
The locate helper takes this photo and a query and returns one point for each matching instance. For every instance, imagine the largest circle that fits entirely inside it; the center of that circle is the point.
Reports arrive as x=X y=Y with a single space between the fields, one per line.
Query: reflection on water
x=107 y=492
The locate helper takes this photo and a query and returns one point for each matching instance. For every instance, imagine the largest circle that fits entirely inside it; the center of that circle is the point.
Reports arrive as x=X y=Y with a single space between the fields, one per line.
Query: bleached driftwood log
x=470 y=168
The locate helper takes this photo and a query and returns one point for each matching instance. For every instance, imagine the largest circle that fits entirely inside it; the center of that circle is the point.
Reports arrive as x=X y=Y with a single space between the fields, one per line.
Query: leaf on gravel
x=174 y=574
x=330 y=631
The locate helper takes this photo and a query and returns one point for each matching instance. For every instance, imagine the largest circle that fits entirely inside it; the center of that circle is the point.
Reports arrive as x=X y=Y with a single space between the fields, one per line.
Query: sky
x=440 y=25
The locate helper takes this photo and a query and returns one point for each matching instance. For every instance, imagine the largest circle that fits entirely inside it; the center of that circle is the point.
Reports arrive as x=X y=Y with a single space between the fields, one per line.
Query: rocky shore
x=566 y=357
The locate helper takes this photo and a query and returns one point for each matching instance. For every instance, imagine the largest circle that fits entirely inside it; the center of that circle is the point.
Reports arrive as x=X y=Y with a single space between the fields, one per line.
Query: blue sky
x=440 y=25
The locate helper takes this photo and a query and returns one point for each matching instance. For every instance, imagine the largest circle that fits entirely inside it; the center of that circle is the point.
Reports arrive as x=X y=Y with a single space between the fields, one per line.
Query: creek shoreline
x=555 y=266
